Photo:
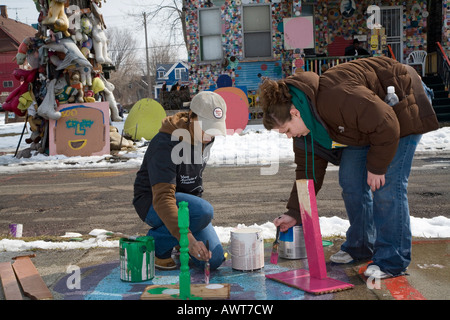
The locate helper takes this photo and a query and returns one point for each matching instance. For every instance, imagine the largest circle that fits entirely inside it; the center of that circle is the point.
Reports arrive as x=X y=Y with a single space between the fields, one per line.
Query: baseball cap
x=211 y=110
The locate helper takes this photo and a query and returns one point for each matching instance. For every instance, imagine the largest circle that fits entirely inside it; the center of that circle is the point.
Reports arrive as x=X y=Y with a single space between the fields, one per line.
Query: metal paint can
x=292 y=243
x=137 y=259
x=247 y=249
x=15 y=230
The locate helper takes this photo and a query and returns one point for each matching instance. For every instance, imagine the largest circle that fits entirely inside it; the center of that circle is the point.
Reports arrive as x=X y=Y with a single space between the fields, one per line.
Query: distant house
x=170 y=75
x=12 y=33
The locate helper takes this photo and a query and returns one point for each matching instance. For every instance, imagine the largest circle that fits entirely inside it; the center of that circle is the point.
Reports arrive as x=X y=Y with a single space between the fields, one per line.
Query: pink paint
x=299 y=32
x=315 y=280
x=237 y=108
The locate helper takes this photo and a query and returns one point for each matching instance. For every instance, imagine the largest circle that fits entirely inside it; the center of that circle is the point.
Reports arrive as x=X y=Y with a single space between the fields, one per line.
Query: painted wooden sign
x=237 y=108
x=298 y=33
x=82 y=130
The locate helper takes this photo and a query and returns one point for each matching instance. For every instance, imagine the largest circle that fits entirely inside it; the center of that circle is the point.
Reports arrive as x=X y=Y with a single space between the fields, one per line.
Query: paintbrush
x=274 y=255
x=207 y=265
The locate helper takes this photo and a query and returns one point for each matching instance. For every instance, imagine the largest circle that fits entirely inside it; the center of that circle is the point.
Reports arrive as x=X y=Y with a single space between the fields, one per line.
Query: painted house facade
x=168 y=75
x=247 y=40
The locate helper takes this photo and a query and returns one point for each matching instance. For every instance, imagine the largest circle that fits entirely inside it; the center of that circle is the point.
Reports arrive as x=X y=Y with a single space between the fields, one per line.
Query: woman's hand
x=198 y=250
x=375 y=181
x=284 y=222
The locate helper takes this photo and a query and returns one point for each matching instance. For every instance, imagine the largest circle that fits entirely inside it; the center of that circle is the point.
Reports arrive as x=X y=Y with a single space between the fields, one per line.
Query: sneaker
x=341 y=257
x=165 y=264
x=374 y=271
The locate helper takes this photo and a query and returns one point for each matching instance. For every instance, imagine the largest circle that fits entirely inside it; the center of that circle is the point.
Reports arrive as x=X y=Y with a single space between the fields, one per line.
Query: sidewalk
x=99 y=270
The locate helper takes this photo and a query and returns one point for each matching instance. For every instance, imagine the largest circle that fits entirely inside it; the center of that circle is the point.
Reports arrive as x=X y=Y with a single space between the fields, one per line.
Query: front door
x=391 y=20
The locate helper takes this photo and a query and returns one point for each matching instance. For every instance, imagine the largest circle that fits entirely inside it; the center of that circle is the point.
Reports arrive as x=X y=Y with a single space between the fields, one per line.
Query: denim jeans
x=379 y=221
x=200 y=215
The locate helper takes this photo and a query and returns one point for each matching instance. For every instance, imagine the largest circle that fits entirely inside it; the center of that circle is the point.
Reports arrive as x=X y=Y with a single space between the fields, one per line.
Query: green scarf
x=317 y=131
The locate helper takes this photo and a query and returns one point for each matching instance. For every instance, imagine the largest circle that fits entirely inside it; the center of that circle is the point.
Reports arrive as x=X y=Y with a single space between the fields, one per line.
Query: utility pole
x=150 y=93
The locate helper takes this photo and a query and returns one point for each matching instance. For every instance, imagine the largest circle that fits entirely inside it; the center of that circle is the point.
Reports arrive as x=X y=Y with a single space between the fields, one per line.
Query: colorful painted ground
x=102 y=282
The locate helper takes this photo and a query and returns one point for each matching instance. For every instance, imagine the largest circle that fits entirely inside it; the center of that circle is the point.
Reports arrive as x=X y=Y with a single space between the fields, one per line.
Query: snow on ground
x=254 y=146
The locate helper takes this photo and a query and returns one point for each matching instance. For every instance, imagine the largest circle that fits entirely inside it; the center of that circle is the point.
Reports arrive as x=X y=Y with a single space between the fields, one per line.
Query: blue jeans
x=200 y=215
x=379 y=221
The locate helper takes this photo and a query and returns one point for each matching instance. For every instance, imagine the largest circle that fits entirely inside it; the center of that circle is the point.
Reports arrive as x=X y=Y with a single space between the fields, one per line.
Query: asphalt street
x=55 y=202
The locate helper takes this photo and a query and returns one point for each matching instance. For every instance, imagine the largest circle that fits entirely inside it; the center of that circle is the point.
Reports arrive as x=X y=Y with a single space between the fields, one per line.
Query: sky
x=116 y=13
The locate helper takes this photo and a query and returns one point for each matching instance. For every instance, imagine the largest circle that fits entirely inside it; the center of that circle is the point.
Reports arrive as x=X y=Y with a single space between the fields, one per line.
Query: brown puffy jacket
x=350 y=100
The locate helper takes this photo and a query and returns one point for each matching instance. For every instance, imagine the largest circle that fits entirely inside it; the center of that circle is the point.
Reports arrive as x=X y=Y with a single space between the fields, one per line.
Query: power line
x=152 y=47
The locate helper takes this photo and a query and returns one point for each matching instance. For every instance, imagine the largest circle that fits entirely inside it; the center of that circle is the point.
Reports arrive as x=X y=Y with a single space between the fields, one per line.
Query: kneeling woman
x=171 y=172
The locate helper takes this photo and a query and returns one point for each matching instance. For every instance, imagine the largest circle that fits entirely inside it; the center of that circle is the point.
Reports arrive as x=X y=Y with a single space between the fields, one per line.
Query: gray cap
x=211 y=110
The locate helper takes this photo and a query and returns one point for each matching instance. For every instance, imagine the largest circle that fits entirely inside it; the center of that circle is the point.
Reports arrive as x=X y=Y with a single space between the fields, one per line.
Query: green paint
x=132 y=259
x=157 y=290
x=327 y=243
x=185 y=275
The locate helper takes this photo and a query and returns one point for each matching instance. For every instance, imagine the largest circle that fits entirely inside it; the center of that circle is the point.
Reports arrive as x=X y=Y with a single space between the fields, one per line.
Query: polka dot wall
x=446 y=26
x=204 y=75
x=329 y=23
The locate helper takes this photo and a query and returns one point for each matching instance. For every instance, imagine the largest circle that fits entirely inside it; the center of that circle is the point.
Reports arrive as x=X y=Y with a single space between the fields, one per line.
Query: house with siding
x=169 y=75
x=12 y=33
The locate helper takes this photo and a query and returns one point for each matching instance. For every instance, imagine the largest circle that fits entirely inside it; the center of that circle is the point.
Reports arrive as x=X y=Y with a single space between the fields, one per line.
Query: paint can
x=137 y=259
x=292 y=243
x=15 y=230
x=247 y=249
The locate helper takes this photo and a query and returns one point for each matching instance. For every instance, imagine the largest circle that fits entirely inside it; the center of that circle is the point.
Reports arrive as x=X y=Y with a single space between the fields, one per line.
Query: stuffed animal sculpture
x=73 y=54
x=117 y=141
x=109 y=96
x=57 y=17
x=75 y=23
x=47 y=109
x=27 y=52
x=12 y=101
x=63 y=92
x=75 y=82
x=89 y=96
x=99 y=36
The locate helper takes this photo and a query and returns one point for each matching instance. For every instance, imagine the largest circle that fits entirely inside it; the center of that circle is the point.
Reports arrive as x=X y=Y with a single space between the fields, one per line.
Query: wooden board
x=32 y=284
x=10 y=286
x=311 y=228
x=156 y=292
x=315 y=280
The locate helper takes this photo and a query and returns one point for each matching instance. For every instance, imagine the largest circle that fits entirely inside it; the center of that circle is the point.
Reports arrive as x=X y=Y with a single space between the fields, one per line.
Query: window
x=161 y=74
x=210 y=34
x=178 y=72
x=257 y=31
x=307 y=10
x=8 y=84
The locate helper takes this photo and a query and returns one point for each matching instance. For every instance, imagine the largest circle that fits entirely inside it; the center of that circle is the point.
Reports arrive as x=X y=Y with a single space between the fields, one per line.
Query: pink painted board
x=302 y=280
x=311 y=228
x=315 y=280
x=82 y=130
x=299 y=33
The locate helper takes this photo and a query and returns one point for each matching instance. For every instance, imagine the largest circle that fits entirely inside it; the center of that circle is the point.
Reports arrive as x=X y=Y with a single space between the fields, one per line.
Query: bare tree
x=121 y=47
x=161 y=52
x=172 y=13
x=128 y=73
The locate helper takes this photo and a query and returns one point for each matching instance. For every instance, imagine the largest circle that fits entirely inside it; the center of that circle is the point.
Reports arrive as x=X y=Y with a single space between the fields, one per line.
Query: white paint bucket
x=247 y=249
x=292 y=243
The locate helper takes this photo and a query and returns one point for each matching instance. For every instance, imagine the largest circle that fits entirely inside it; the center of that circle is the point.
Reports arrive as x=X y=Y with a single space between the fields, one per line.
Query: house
x=168 y=75
x=12 y=33
x=248 y=40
